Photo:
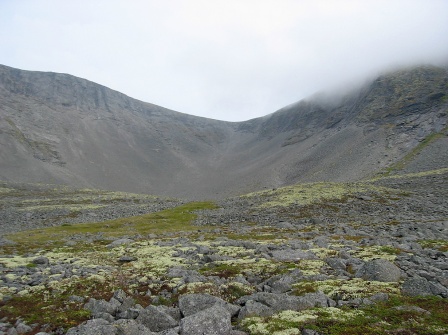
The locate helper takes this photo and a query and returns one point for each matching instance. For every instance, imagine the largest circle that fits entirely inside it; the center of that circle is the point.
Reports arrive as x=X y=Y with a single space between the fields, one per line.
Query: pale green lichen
x=15 y=261
x=310 y=266
x=373 y=252
x=232 y=251
x=323 y=253
x=5 y=190
x=290 y=322
x=349 y=289
x=309 y=193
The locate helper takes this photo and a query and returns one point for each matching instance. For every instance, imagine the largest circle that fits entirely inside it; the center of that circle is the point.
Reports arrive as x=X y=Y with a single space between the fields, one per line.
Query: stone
x=379 y=297
x=12 y=331
x=211 y=321
x=337 y=263
x=282 y=284
x=41 y=260
x=126 y=304
x=127 y=259
x=309 y=332
x=192 y=303
x=94 y=327
x=254 y=308
x=120 y=295
x=174 y=312
x=121 y=241
x=131 y=327
x=105 y=316
x=173 y=331
x=416 y=286
x=379 y=270
x=131 y=313
x=96 y=307
x=155 y=319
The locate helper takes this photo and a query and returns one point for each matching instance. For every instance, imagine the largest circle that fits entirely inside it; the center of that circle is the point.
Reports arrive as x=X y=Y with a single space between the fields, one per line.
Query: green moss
x=178 y=219
x=346 y=289
x=222 y=270
x=382 y=318
x=441 y=245
x=379 y=319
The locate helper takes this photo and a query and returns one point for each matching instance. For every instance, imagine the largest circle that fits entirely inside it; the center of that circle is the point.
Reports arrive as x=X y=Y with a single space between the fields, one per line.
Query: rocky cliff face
x=56 y=128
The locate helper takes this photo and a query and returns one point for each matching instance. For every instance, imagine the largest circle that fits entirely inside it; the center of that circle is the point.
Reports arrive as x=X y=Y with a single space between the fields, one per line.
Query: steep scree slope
x=56 y=128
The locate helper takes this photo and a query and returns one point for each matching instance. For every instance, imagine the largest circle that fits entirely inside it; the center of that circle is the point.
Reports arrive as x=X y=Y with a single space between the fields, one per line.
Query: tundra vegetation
x=342 y=255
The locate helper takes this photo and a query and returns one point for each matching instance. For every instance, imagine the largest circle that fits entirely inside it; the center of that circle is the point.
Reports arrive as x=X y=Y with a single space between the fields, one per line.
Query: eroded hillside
x=60 y=129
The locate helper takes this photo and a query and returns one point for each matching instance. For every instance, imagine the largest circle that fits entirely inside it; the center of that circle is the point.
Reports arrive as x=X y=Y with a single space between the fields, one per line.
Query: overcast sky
x=223 y=59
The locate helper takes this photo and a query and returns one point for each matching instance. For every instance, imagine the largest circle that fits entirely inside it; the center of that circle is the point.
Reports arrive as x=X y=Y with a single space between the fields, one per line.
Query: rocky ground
x=319 y=258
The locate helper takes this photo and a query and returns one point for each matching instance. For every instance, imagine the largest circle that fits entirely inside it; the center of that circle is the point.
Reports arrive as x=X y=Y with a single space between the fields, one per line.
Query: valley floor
x=319 y=258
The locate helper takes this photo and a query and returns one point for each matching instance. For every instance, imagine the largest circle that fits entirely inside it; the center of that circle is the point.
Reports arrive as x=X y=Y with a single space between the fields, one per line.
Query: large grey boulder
x=97 y=307
x=211 y=321
x=416 y=286
x=155 y=319
x=193 y=303
x=379 y=270
x=131 y=327
x=94 y=327
x=337 y=263
x=283 y=283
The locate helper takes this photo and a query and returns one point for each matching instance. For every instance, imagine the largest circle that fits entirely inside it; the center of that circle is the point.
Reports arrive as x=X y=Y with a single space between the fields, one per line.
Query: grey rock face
x=94 y=327
x=211 y=321
x=379 y=270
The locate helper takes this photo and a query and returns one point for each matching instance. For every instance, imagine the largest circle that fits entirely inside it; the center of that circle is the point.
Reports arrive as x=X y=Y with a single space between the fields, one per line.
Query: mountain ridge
x=57 y=128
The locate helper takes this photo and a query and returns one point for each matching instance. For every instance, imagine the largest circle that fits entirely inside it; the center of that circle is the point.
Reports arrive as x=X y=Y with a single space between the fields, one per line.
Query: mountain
x=57 y=128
